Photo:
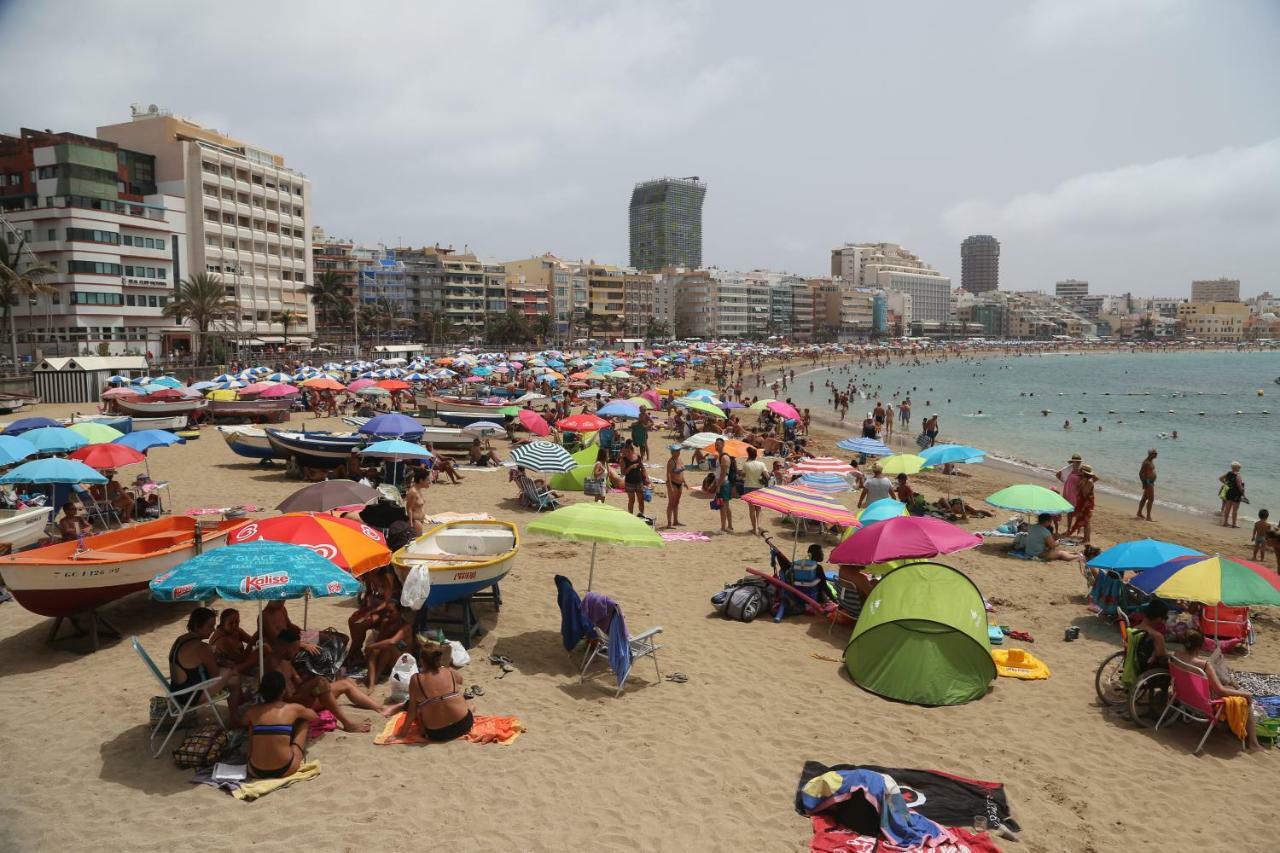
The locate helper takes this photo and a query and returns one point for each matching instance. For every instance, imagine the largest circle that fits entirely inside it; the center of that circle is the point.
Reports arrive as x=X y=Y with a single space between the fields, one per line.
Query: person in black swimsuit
x=435 y=701
x=192 y=661
x=675 y=487
x=277 y=731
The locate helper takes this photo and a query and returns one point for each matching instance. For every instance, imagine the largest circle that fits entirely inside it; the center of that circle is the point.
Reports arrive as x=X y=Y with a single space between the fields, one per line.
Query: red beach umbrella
x=582 y=423
x=345 y=542
x=104 y=456
x=534 y=422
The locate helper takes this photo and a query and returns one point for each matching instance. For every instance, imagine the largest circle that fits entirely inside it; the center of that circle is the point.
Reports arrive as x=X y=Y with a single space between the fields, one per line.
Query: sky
x=1131 y=143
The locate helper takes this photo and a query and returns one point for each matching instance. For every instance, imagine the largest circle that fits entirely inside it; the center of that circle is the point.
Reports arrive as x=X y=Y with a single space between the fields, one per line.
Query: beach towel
x=1237 y=714
x=253 y=789
x=684 y=536
x=324 y=722
x=501 y=730
x=574 y=627
x=830 y=837
x=871 y=804
x=942 y=797
x=603 y=611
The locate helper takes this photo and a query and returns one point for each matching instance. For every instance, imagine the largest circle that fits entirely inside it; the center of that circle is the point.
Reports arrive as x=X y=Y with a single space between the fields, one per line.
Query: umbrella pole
x=795 y=542
x=591 y=575
x=306 y=601
x=261 y=642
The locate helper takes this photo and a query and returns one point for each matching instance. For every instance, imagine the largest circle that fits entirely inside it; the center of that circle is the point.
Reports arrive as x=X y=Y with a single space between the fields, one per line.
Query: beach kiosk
x=82 y=378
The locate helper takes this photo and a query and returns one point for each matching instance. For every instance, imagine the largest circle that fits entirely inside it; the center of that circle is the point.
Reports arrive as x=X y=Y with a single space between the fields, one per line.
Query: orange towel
x=503 y=730
x=1237 y=709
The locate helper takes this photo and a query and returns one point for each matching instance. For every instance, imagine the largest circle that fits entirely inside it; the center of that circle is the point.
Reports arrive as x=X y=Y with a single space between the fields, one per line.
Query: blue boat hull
x=447 y=593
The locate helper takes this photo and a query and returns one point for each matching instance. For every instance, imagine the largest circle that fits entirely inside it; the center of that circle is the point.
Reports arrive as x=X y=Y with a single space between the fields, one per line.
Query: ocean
x=1119 y=405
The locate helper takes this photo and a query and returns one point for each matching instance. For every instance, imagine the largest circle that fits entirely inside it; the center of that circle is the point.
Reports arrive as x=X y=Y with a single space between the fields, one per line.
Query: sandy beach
x=710 y=764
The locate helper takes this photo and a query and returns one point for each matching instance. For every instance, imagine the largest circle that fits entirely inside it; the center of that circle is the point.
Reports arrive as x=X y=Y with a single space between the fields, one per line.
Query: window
x=93 y=268
x=130 y=300
x=91 y=235
x=79 y=297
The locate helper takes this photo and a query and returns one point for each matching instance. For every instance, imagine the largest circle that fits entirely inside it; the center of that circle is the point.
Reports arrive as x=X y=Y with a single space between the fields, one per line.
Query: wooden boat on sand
x=20 y=527
x=464 y=557
x=249 y=442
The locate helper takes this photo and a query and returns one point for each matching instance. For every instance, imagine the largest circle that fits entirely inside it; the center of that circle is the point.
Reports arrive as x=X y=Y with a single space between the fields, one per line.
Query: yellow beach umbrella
x=902 y=463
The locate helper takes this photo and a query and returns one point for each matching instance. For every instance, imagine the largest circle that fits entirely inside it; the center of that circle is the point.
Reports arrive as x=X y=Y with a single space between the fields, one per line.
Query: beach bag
x=593 y=487
x=744 y=600
x=417 y=586
x=406 y=668
x=201 y=748
x=922 y=440
x=461 y=657
x=326 y=661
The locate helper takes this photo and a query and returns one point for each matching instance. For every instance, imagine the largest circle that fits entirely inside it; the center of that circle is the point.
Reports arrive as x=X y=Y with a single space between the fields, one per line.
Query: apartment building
x=566 y=284
x=1213 y=321
x=892 y=268
x=620 y=297
x=249 y=217
x=1216 y=290
x=335 y=256
x=92 y=211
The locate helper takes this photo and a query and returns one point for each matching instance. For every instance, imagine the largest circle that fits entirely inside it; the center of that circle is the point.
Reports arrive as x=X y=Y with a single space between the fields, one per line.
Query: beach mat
x=502 y=730
x=684 y=536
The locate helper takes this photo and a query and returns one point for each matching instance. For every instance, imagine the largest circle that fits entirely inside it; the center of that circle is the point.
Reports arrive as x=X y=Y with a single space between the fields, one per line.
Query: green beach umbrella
x=597 y=523
x=1030 y=498
x=902 y=463
x=95 y=433
x=700 y=406
x=759 y=405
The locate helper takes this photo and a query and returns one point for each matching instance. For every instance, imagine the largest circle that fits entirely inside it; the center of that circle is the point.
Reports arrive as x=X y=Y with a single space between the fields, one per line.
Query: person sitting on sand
x=1041 y=544
x=394 y=637
x=443 y=465
x=314 y=691
x=477 y=455
x=435 y=700
x=72 y=523
x=378 y=596
x=277 y=731
x=232 y=645
x=192 y=661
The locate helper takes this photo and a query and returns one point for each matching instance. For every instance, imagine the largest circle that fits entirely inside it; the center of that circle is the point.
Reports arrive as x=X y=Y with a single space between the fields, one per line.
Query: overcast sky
x=1133 y=143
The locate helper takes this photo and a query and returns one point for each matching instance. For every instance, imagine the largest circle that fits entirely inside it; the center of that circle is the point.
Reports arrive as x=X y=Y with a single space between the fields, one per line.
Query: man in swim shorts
x=1147 y=478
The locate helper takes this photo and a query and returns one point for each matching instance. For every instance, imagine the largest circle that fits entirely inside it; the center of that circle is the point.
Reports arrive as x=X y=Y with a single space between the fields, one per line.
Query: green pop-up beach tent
x=571 y=481
x=922 y=638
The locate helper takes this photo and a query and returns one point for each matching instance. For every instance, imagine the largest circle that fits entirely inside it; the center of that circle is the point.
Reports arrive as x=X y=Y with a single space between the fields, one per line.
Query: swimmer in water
x=1066 y=424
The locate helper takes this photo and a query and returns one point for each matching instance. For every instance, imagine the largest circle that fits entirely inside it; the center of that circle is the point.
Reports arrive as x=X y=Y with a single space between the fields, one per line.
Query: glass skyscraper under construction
x=666 y=223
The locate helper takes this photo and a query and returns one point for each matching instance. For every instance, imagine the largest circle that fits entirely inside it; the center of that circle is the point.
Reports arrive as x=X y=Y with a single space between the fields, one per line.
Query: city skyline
x=1094 y=171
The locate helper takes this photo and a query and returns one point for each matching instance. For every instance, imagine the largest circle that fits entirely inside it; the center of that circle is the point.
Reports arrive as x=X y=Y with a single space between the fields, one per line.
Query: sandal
x=499 y=660
x=506 y=669
x=469 y=693
x=678 y=677
x=477 y=690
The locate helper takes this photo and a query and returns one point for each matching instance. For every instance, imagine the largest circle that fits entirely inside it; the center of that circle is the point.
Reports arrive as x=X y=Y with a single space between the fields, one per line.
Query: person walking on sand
x=675 y=487
x=1232 y=495
x=1147 y=477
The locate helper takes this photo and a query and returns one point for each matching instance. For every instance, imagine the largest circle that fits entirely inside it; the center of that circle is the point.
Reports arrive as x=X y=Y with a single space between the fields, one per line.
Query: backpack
x=743 y=600
x=202 y=748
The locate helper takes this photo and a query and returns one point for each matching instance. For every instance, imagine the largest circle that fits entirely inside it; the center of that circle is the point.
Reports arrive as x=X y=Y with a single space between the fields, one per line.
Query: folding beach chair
x=638 y=646
x=1230 y=626
x=535 y=499
x=98 y=513
x=178 y=703
x=1191 y=698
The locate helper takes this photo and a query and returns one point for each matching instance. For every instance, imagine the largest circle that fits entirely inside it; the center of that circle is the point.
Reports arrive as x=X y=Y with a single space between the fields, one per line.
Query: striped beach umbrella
x=822 y=465
x=1212 y=580
x=543 y=456
x=868 y=446
x=829 y=484
x=803 y=502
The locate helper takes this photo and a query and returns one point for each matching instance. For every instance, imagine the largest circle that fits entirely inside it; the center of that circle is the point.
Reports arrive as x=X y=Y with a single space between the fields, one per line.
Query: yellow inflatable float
x=1019 y=663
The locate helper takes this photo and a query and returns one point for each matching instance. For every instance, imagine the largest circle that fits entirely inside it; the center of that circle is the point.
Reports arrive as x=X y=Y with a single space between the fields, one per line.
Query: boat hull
x=316 y=449
x=489 y=550
x=20 y=527
x=165 y=408
x=441 y=438
x=249 y=443
x=250 y=408
x=170 y=422
x=431 y=405
x=462 y=419
x=58 y=581
x=119 y=423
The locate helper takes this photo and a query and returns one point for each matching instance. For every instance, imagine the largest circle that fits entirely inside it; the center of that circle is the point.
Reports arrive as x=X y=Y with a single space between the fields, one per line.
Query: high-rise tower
x=980 y=263
x=666 y=223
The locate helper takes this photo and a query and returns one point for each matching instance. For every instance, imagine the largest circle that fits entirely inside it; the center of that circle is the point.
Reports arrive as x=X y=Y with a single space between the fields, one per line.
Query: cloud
x=1062 y=21
x=1233 y=188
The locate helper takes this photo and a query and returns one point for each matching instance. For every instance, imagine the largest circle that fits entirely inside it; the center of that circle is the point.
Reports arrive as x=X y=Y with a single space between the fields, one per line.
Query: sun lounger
x=179 y=703
x=1230 y=626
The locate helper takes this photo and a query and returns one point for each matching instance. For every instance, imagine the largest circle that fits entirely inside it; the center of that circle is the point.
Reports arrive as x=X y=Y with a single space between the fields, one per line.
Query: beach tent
x=922 y=638
x=571 y=481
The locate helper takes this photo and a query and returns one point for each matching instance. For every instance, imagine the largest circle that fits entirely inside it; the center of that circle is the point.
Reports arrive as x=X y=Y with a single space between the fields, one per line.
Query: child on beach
x=1261 y=529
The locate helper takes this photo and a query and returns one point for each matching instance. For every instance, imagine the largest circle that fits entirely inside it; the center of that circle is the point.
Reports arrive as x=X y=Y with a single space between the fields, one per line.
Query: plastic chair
x=1230 y=626
x=537 y=500
x=181 y=702
x=1191 y=698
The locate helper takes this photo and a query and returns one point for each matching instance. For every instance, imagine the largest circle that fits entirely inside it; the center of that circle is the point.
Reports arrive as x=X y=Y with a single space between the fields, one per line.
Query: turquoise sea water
x=996 y=403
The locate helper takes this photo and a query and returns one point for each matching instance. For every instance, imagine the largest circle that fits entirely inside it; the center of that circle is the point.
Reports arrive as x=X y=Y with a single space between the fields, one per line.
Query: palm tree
x=287 y=318
x=18 y=281
x=542 y=326
x=201 y=299
x=327 y=292
x=588 y=319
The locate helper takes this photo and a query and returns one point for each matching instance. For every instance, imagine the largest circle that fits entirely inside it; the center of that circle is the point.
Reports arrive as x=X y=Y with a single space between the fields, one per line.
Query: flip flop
x=469 y=693
x=507 y=669
x=477 y=690
x=678 y=677
x=499 y=660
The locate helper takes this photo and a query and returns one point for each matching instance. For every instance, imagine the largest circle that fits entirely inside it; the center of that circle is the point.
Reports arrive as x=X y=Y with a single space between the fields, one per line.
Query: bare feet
x=357 y=727
x=391 y=709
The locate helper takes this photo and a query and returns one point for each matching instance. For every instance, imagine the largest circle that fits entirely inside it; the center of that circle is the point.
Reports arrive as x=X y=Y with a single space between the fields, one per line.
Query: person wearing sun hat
x=1082 y=518
x=1070 y=478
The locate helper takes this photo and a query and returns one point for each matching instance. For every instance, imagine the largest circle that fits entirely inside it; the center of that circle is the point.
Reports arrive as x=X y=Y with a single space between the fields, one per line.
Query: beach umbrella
x=281 y=390
x=533 y=422
x=700 y=440
x=103 y=456
x=704 y=394
x=55 y=439
x=786 y=410
x=826 y=483
x=582 y=423
x=324 y=383
x=802 y=502
x=904 y=536
x=761 y=404
x=95 y=433
x=543 y=456
x=1210 y=580
x=619 y=409
x=254 y=571
x=618 y=374
x=597 y=523
x=394 y=384
x=822 y=465
x=396 y=448
x=882 y=509
x=642 y=402
x=595 y=392
x=865 y=446
x=22 y=425
x=736 y=449
x=347 y=543
x=222 y=394
x=117 y=379
x=484 y=429
x=1140 y=554
x=64 y=471
x=14 y=449
x=902 y=463
x=944 y=454
x=394 y=424
x=361 y=384
x=327 y=495
x=373 y=391
x=114 y=393
x=1030 y=498
x=700 y=406
x=145 y=439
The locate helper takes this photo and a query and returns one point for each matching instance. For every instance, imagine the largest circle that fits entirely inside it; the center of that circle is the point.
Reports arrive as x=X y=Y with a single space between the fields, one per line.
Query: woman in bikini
x=277 y=731
x=675 y=487
x=231 y=643
x=436 y=701
x=192 y=661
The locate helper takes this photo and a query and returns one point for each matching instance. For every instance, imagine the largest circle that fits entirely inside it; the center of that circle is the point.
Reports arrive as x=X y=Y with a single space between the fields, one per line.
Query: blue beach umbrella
x=826 y=483
x=395 y=448
x=619 y=409
x=65 y=471
x=14 y=449
x=55 y=439
x=392 y=425
x=22 y=425
x=1140 y=554
x=145 y=439
x=169 y=382
x=942 y=454
x=882 y=510
x=253 y=571
x=869 y=446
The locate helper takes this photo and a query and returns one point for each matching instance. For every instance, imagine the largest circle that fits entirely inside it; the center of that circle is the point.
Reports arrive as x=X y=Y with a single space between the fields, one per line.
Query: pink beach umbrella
x=256 y=388
x=902 y=537
x=281 y=390
x=361 y=383
x=785 y=409
x=534 y=422
x=652 y=396
x=112 y=393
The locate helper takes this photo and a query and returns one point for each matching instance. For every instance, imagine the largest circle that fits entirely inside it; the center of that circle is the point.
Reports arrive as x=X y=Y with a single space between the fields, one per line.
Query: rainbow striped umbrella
x=803 y=502
x=1212 y=580
x=822 y=465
